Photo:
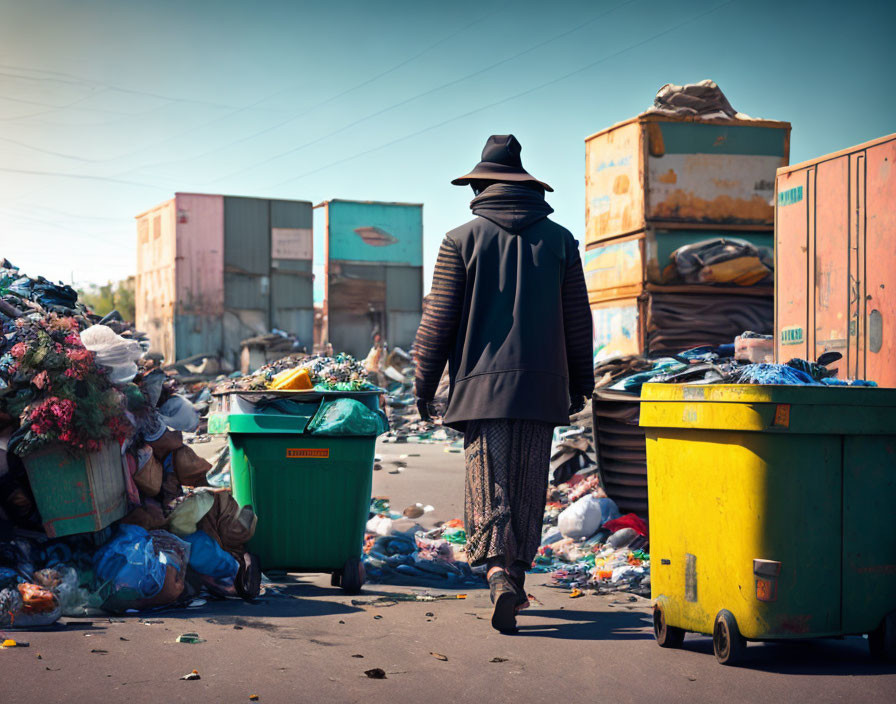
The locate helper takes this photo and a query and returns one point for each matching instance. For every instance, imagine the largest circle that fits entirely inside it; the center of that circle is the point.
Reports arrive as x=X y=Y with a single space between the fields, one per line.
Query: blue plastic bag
x=129 y=565
x=210 y=559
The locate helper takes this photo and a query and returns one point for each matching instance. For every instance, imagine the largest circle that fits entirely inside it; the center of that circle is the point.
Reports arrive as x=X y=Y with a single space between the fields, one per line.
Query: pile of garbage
x=586 y=542
x=81 y=388
x=302 y=372
x=722 y=261
x=401 y=403
x=414 y=555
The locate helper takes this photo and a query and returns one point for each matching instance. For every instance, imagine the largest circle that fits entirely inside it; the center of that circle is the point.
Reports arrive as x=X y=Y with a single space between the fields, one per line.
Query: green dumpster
x=311 y=491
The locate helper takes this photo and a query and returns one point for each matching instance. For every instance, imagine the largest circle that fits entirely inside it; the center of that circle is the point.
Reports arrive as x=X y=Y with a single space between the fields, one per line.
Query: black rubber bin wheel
x=666 y=636
x=727 y=642
x=882 y=640
x=352 y=576
x=336 y=578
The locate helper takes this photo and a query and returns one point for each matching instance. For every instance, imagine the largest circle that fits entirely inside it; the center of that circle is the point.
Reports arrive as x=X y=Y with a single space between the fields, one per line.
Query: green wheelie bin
x=310 y=490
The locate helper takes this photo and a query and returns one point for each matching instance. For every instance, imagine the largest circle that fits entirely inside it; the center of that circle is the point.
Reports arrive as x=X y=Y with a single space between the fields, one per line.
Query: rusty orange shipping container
x=835 y=262
x=668 y=173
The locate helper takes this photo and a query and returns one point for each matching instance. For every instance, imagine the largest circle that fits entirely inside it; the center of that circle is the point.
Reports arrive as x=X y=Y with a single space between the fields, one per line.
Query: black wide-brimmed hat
x=500 y=162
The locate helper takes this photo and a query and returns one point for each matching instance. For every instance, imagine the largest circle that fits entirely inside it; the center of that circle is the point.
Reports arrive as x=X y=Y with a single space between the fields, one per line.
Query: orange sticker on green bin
x=307 y=453
x=782 y=415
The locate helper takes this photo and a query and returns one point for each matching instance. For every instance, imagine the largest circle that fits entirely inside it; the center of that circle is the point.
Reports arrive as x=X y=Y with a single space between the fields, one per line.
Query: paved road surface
x=303 y=647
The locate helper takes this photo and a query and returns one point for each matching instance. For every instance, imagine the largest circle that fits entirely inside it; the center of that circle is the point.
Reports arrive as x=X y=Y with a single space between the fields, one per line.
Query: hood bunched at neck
x=511 y=207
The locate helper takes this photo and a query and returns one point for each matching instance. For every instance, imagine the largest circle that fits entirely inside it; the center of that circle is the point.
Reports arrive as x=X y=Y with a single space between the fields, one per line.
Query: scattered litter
x=576 y=593
x=498 y=660
x=253 y=697
x=190 y=638
x=357 y=656
x=151 y=621
x=100 y=651
x=439 y=656
x=377 y=673
x=194 y=675
x=10 y=643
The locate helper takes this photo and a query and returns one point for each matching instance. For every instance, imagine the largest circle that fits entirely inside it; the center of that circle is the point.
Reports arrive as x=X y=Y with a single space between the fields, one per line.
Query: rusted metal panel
x=792 y=265
x=879 y=301
x=614 y=200
x=618 y=327
x=713 y=174
x=830 y=201
x=292 y=278
x=682 y=173
x=615 y=264
x=835 y=222
x=199 y=274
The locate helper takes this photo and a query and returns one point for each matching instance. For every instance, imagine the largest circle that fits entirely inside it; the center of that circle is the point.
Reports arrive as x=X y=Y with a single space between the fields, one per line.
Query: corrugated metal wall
x=375 y=273
x=199 y=274
x=155 y=290
x=214 y=270
x=292 y=280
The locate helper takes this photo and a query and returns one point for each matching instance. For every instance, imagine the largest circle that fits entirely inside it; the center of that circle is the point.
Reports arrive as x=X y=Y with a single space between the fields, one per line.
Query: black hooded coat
x=509 y=313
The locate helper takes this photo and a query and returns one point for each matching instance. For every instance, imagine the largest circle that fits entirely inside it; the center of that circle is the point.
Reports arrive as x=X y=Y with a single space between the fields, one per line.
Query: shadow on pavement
x=847 y=658
x=589 y=625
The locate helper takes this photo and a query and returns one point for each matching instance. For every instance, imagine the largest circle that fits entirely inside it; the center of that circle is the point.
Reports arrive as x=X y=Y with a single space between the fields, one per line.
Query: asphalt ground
x=308 y=642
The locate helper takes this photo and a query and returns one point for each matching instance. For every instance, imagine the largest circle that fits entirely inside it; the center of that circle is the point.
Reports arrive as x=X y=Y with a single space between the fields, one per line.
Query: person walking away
x=509 y=314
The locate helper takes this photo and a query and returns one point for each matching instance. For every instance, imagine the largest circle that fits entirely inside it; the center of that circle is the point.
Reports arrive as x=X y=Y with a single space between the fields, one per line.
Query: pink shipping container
x=835 y=262
x=214 y=270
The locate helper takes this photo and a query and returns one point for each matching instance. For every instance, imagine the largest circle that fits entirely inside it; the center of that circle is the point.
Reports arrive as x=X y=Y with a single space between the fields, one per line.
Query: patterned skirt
x=508 y=462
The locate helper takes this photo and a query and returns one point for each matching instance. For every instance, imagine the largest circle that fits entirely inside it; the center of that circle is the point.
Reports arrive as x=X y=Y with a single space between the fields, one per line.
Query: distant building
x=374 y=274
x=214 y=270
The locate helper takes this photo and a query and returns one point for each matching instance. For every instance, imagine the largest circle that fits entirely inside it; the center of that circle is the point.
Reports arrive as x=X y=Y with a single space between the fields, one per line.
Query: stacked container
x=214 y=270
x=653 y=184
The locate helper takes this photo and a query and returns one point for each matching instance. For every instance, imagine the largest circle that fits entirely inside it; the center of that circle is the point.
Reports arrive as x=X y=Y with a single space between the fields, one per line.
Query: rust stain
x=681 y=205
x=726 y=183
x=626 y=218
x=621 y=184
x=795 y=624
x=669 y=177
x=655 y=144
x=720 y=140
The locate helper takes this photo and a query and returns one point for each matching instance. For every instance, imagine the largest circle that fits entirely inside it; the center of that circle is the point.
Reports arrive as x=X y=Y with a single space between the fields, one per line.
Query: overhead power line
x=427 y=92
x=515 y=96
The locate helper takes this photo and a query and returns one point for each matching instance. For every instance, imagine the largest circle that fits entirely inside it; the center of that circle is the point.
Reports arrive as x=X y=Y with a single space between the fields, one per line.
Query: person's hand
x=428 y=411
x=577 y=405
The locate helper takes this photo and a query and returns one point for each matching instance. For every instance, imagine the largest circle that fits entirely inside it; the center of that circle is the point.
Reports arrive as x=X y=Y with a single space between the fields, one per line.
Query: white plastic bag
x=585 y=517
x=114 y=352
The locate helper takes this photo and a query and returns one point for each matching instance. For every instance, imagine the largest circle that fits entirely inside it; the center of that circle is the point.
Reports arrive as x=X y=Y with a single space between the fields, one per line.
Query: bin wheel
x=727 y=642
x=666 y=636
x=882 y=640
x=336 y=578
x=352 y=576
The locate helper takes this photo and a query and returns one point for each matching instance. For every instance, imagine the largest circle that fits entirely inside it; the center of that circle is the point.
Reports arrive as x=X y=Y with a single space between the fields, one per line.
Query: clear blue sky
x=109 y=107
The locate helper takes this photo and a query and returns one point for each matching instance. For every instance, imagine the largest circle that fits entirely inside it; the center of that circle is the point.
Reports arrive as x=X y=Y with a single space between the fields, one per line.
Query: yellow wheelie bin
x=771 y=513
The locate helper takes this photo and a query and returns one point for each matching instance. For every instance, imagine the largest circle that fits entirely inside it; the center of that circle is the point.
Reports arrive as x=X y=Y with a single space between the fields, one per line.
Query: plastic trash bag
x=347 y=416
x=28 y=606
x=128 y=564
x=209 y=559
x=584 y=518
x=178 y=413
x=114 y=352
x=184 y=518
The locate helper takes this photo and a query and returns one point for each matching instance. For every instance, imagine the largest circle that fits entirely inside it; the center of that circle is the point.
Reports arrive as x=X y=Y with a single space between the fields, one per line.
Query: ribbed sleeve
x=577 y=326
x=438 y=328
